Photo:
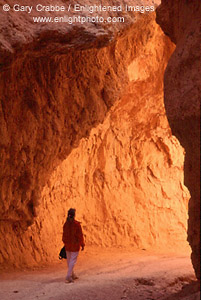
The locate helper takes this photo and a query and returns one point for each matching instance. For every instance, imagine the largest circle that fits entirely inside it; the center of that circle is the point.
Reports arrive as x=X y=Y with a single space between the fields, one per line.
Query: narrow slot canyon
x=104 y=119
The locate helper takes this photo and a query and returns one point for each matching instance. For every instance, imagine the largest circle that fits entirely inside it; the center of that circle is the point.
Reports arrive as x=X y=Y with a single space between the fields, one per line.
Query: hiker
x=73 y=240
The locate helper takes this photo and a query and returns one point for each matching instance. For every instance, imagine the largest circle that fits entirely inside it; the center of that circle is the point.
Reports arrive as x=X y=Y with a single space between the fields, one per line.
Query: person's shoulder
x=65 y=224
x=77 y=222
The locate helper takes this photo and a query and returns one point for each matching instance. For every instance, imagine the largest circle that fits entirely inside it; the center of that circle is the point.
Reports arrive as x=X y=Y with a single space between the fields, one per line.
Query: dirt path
x=107 y=275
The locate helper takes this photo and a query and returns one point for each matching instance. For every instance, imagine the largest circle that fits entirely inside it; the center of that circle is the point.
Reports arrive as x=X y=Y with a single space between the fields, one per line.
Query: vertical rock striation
x=180 y=20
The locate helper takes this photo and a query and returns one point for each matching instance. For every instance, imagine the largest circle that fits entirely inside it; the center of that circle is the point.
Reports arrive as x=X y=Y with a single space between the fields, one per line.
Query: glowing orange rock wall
x=125 y=178
x=44 y=113
x=180 y=20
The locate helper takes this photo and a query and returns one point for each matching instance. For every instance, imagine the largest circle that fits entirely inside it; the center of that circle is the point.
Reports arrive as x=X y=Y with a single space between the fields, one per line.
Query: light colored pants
x=71 y=261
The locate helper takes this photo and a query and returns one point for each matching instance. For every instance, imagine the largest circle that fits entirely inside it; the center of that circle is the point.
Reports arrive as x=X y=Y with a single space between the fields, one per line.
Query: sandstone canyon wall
x=126 y=175
x=181 y=21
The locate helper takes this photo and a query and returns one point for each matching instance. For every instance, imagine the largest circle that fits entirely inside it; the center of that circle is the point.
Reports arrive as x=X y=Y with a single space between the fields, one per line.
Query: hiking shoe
x=69 y=280
x=74 y=276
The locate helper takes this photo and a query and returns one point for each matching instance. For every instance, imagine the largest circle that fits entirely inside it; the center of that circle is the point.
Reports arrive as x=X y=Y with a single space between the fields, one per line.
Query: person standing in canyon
x=73 y=240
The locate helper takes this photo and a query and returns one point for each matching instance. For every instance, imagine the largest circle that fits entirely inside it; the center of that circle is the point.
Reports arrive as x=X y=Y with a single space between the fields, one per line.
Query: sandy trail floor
x=107 y=275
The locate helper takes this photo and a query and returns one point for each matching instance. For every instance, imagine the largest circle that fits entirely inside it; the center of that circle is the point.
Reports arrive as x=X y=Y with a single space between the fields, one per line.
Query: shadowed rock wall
x=180 y=20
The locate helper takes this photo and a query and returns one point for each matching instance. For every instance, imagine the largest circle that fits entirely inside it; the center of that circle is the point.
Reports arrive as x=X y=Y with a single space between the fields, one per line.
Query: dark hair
x=71 y=213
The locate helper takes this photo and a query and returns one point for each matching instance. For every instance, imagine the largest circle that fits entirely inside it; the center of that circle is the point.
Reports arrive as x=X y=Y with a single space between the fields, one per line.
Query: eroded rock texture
x=126 y=176
x=180 y=20
x=126 y=179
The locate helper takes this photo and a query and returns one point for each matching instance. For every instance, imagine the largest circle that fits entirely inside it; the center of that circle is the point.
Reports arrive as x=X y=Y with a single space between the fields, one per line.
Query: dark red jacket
x=72 y=236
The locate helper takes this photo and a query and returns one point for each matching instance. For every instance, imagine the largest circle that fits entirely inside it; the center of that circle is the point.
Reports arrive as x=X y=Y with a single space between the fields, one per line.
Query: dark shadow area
x=188 y=290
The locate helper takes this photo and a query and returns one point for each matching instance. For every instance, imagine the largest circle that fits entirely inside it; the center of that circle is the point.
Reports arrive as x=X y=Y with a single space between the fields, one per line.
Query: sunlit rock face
x=125 y=178
x=180 y=20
